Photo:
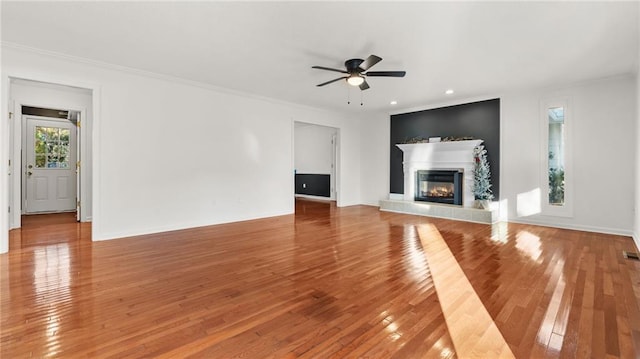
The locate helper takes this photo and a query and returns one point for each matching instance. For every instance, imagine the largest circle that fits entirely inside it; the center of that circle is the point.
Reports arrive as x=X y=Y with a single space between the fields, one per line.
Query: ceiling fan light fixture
x=354 y=72
x=355 y=80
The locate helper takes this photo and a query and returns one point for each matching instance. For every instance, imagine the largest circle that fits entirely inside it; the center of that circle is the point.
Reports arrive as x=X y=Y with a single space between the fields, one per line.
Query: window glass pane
x=40 y=147
x=41 y=133
x=52 y=147
x=556 y=155
x=63 y=153
x=52 y=133
x=40 y=161
x=52 y=159
x=64 y=134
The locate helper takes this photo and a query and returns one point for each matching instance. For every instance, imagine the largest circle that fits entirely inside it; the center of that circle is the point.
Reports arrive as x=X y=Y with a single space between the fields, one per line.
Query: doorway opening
x=49 y=150
x=316 y=155
x=50 y=155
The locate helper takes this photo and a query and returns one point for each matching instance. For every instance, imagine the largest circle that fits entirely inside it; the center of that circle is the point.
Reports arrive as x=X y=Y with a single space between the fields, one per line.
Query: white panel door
x=50 y=169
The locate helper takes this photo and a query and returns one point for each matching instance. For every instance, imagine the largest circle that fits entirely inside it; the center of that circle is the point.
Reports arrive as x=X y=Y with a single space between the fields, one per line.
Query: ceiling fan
x=355 y=71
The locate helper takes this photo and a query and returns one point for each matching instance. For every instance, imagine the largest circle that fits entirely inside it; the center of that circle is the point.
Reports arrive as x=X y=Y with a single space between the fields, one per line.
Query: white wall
x=170 y=154
x=375 y=137
x=58 y=97
x=4 y=158
x=313 y=148
x=603 y=115
x=636 y=211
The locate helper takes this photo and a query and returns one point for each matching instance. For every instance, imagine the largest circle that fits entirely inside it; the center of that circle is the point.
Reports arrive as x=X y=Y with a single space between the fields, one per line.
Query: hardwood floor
x=325 y=282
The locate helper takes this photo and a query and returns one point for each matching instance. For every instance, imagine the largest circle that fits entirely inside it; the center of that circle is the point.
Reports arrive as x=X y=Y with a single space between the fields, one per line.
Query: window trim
x=566 y=210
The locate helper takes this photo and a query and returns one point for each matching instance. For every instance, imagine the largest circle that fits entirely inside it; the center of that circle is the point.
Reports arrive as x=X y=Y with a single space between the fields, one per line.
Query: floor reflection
x=52 y=270
x=552 y=330
x=472 y=329
x=529 y=244
x=414 y=261
x=50 y=255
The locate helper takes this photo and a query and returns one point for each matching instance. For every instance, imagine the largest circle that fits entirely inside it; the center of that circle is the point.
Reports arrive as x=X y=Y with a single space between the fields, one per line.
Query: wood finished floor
x=325 y=282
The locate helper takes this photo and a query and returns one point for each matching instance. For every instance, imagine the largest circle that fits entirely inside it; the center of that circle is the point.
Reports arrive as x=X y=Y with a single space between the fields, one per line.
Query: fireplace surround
x=439 y=156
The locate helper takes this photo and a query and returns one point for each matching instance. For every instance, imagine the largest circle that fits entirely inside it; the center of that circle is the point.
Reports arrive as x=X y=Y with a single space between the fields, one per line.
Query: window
x=555 y=173
x=52 y=147
x=556 y=144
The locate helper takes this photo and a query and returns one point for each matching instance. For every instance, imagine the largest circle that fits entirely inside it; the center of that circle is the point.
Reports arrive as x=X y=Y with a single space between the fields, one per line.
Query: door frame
x=334 y=165
x=16 y=187
x=7 y=145
x=23 y=169
x=335 y=181
x=13 y=165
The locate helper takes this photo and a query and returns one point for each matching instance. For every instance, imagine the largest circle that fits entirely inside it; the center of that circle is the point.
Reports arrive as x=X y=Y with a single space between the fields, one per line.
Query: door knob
x=30 y=166
x=29 y=173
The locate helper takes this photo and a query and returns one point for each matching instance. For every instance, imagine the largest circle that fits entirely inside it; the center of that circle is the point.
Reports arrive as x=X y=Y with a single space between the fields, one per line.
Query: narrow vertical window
x=556 y=168
x=555 y=179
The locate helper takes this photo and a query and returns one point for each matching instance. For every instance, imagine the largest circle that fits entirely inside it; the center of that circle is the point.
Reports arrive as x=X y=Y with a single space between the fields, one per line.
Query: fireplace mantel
x=439 y=155
x=439 y=151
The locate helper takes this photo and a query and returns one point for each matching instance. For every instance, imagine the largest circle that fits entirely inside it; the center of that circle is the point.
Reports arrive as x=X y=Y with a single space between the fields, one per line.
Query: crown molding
x=163 y=77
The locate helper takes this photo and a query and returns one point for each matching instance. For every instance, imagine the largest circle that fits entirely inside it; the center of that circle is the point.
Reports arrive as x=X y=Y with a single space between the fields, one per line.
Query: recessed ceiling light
x=394 y=102
x=449 y=92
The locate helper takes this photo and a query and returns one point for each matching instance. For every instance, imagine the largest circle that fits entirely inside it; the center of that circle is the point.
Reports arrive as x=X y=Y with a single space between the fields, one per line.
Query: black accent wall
x=481 y=120
x=313 y=184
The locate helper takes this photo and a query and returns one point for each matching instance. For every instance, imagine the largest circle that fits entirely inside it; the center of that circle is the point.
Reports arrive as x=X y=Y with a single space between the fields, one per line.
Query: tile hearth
x=468 y=214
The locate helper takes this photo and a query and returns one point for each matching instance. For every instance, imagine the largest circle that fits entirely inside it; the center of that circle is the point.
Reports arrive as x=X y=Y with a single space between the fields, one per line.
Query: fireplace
x=441 y=186
x=439 y=156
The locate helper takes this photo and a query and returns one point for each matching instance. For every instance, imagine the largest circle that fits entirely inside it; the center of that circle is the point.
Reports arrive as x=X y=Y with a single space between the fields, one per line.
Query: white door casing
x=50 y=165
x=77 y=167
x=334 y=155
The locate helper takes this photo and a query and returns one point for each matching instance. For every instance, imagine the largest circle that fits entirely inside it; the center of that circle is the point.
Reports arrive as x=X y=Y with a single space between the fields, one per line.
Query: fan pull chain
x=348 y=95
x=361 y=95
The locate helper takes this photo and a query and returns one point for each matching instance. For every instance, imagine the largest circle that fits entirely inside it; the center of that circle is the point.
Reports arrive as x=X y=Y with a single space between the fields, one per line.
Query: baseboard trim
x=604 y=230
x=636 y=240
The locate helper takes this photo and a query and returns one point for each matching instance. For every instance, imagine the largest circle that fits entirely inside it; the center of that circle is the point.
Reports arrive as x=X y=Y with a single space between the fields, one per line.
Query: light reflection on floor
x=529 y=244
x=415 y=260
x=472 y=330
x=552 y=327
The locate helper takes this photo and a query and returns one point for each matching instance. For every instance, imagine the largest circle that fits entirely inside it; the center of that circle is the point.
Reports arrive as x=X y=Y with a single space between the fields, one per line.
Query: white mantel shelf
x=446 y=146
x=449 y=155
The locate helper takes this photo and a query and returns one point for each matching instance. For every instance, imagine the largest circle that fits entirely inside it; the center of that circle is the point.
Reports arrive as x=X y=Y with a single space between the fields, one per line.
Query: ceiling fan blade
x=364 y=85
x=328 y=69
x=332 y=81
x=370 y=61
x=386 y=73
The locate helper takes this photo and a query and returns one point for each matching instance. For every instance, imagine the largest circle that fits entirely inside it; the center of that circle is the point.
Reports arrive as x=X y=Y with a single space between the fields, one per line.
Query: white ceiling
x=268 y=48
